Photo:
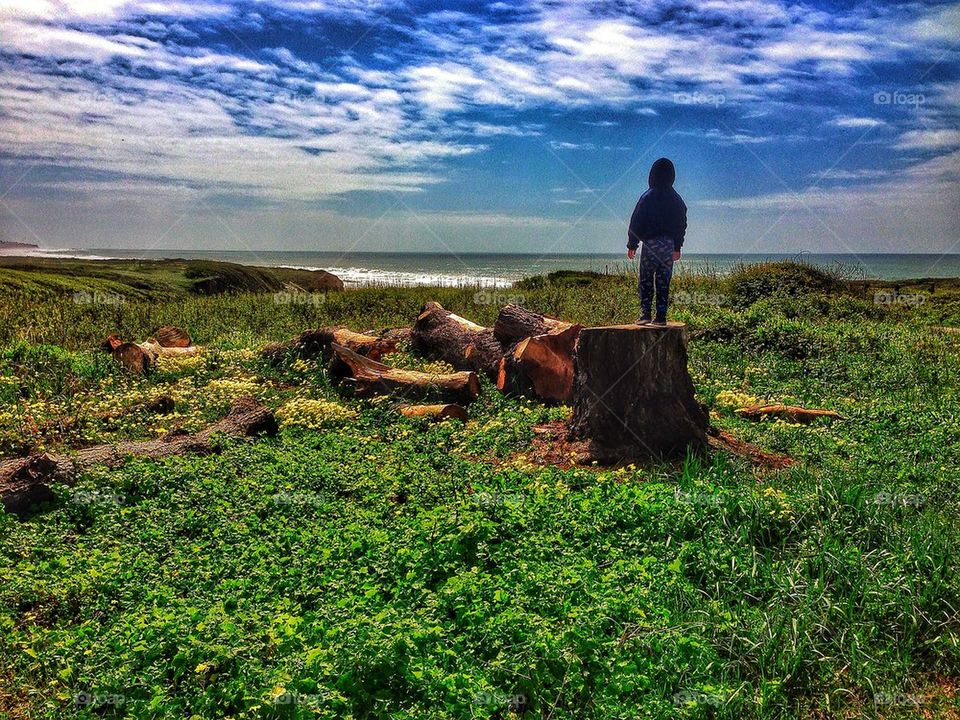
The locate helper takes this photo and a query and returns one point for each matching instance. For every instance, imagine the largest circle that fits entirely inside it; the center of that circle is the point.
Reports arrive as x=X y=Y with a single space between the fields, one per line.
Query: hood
x=662 y=173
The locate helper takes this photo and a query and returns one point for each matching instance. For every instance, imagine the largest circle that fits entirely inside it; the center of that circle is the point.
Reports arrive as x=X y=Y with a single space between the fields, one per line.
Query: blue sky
x=478 y=126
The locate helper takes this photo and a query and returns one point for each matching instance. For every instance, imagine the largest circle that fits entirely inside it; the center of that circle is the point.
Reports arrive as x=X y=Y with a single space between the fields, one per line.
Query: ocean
x=500 y=270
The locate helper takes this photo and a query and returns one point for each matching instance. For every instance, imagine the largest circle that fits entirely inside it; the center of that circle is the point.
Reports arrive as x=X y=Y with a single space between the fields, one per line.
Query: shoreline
x=500 y=270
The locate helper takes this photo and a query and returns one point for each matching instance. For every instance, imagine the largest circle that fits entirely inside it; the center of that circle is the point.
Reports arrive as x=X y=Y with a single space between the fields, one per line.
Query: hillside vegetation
x=364 y=565
x=121 y=280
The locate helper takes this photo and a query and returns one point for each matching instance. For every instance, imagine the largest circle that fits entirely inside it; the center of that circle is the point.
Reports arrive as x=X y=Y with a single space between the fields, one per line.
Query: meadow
x=365 y=565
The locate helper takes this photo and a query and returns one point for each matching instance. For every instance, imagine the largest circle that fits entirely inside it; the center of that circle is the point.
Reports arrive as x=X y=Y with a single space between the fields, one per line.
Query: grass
x=112 y=282
x=364 y=565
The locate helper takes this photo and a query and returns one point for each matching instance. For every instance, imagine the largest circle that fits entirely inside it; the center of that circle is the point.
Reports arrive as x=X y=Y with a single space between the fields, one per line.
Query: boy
x=659 y=221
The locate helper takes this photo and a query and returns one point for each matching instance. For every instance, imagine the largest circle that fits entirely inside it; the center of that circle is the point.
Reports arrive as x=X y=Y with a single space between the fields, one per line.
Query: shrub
x=749 y=283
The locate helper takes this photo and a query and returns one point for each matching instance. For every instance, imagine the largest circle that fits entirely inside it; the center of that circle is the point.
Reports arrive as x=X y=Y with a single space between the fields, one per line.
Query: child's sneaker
x=659 y=321
x=643 y=320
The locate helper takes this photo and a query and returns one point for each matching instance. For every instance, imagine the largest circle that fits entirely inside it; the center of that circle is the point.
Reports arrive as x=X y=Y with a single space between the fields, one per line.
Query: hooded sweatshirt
x=660 y=210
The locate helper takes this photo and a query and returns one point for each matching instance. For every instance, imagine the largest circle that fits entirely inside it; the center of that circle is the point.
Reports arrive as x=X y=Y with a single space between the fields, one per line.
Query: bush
x=749 y=283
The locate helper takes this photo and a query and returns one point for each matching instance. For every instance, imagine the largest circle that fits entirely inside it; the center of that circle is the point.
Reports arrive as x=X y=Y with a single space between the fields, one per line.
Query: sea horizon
x=365 y=268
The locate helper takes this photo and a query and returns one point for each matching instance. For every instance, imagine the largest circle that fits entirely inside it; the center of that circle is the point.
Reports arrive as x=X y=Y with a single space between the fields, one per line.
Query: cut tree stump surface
x=633 y=395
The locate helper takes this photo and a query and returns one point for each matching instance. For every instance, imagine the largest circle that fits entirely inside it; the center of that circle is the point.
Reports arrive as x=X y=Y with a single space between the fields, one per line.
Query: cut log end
x=111 y=342
x=541 y=366
x=172 y=337
x=133 y=358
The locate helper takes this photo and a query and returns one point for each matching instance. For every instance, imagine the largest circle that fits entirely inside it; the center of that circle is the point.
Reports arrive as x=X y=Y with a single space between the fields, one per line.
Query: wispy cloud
x=162 y=102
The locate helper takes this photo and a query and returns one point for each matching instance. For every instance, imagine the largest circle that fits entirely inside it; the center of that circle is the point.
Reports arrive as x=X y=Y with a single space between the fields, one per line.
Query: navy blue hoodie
x=660 y=210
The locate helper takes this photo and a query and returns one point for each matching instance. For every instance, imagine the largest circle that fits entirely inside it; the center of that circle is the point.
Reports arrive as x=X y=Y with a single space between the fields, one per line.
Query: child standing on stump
x=659 y=221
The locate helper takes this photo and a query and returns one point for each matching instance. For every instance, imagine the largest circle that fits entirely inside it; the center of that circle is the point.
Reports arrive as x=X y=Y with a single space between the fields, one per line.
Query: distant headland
x=10 y=245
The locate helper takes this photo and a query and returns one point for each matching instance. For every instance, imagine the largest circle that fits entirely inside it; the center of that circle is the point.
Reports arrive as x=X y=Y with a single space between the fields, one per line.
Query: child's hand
x=631 y=253
x=676 y=255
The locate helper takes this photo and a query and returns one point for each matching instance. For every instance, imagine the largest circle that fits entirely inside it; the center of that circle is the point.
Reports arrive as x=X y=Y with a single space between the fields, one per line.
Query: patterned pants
x=656 y=269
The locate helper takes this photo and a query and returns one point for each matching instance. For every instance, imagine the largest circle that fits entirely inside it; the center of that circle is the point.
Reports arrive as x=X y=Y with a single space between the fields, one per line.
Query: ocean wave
x=57 y=253
x=377 y=277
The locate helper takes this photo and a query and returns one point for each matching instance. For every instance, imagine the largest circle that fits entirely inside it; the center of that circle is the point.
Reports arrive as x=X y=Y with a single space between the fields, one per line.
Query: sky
x=393 y=125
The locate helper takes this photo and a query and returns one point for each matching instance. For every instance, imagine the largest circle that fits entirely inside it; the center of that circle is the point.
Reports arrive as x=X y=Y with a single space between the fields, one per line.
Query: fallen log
x=139 y=358
x=313 y=343
x=370 y=377
x=435 y=412
x=790 y=413
x=157 y=351
x=515 y=323
x=633 y=396
x=26 y=481
x=441 y=334
x=540 y=366
x=723 y=440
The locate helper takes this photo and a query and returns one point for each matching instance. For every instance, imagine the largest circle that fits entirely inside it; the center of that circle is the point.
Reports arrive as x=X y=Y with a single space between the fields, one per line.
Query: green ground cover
x=365 y=565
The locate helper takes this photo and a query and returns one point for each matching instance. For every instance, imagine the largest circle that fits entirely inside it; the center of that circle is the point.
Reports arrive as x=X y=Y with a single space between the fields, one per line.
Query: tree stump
x=633 y=396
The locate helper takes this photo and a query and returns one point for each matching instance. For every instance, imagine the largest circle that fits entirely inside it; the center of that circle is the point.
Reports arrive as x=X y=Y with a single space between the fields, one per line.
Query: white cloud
x=847 y=121
x=933 y=139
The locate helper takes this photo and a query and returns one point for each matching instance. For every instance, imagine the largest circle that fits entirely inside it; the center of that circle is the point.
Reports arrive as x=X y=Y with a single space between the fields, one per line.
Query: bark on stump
x=633 y=396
